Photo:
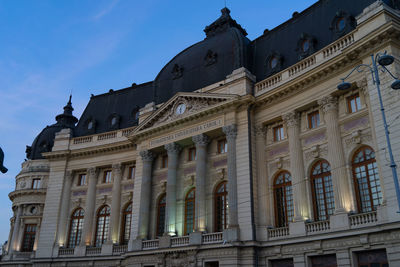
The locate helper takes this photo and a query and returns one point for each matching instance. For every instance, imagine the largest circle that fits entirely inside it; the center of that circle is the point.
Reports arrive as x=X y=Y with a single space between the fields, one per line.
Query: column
x=145 y=195
x=173 y=150
x=201 y=142
x=231 y=133
x=89 y=207
x=343 y=202
x=64 y=210
x=115 y=203
x=297 y=166
x=17 y=223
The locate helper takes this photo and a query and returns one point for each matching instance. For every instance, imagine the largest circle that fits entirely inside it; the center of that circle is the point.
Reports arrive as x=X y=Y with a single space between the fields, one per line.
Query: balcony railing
x=362 y=219
x=93 y=250
x=66 y=251
x=150 y=244
x=278 y=232
x=212 y=238
x=179 y=241
x=317 y=227
x=118 y=249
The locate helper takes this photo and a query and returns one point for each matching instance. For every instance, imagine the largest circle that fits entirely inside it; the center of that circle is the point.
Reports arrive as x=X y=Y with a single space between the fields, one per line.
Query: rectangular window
x=35 y=184
x=192 y=154
x=29 y=238
x=323 y=261
x=132 y=172
x=282 y=263
x=354 y=103
x=222 y=146
x=164 y=161
x=372 y=258
x=278 y=133
x=313 y=120
x=82 y=179
x=107 y=177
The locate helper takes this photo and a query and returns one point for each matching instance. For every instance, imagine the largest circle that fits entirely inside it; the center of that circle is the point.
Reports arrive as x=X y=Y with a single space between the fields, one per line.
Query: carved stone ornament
x=146 y=155
x=357 y=138
x=201 y=140
x=328 y=103
x=260 y=130
x=117 y=168
x=189 y=181
x=173 y=148
x=230 y=131
x=22 y=184
x=163 y=186
x=177 y=71
x=92 y=171
x=180 y=259
x=221 y=174
x=291 y=119
x=279 y=162
x=210 y=58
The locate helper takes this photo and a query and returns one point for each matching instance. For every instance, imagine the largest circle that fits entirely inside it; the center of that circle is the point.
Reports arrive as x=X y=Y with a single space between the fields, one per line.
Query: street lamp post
x=383 y=60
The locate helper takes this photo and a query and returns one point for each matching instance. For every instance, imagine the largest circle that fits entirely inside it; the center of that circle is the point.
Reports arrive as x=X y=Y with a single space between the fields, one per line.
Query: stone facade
x=245 y=134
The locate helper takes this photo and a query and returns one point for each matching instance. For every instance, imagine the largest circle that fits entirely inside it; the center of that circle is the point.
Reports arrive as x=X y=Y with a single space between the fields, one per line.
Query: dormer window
x=113 y=121
x=90 y=125
x=340 y=24
x=273 y=62
x=305 y=46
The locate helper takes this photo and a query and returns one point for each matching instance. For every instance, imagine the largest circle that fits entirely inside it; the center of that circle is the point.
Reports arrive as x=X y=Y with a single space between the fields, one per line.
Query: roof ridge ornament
x=222 y=24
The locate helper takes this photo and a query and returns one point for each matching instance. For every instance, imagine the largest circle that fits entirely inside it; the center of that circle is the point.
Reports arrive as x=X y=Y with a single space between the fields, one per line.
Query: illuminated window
x=222 y=146
x=366 y=180
x=126 y=223
x=192 y=154
x=132 y=172
x=164 y=161
x=75 y=228
x=278 y=133
x=323 y=198
x=220 y=208
x=29 y=237
x=189 y=211
x=283 y=199
x=103 y=221
x=82 y=179
x=107 y=177
x=313 y=120
x=161 y=215
x=35 y=184
x=354 y=103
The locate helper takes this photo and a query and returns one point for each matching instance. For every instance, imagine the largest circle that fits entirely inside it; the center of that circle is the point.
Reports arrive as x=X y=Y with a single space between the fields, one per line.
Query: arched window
x=283 y=199
x=103 y=221
x=75 y=228
x=126 y=223
x=322 y=190
x=189 y=211
x=220 y=207
x=366 y=180
x=161 y=215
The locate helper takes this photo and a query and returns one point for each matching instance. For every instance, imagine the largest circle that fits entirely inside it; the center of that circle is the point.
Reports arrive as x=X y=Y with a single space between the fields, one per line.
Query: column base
x=230 y=234
x=339 y=221
x=135 y=245
x=164 y=241
x=107 y=248
x=80 y=251
x=196 y=238
x=297 y=228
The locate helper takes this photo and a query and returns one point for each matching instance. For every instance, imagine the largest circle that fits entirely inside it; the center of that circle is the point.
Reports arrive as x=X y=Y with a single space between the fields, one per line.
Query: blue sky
x=49 y=48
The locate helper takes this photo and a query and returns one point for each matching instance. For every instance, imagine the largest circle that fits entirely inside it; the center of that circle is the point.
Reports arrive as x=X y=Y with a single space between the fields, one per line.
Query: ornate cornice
x=26 y=192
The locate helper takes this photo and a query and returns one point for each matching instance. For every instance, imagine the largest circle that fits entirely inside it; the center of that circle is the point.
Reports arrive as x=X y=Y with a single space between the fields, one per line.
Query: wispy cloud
x=105 y=10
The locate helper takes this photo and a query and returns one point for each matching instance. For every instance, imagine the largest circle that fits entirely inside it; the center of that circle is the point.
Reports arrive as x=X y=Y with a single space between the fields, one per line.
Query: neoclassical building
x=239 y=153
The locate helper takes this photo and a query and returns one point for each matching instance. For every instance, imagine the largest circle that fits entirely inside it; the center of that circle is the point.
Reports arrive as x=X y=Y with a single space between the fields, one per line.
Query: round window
x=340 y=24
x=273 y=62
x=90 y=125
x=305 y=46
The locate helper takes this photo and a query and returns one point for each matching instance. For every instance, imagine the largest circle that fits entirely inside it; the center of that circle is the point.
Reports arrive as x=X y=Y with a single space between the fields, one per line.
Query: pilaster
x=113 y=236
x=64 y=210
x=89 y=208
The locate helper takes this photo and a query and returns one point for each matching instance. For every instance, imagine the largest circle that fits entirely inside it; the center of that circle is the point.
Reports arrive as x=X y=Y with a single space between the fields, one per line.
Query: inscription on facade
x=194 y=130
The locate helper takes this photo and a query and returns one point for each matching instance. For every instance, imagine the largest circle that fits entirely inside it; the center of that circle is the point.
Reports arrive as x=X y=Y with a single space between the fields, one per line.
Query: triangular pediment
x=184 y=105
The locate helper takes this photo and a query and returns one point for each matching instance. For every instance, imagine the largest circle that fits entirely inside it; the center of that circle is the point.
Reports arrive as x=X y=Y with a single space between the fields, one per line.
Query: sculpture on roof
x=2 y=168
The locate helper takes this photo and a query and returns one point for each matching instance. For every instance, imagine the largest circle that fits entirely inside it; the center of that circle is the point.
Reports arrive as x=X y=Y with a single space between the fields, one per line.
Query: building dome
x=45 y=140
x=224 y=49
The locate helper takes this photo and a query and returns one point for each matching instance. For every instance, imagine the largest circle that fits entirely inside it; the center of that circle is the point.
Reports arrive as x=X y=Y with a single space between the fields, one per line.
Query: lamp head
x=396 y=85
x=385 y=60
x=344 y=86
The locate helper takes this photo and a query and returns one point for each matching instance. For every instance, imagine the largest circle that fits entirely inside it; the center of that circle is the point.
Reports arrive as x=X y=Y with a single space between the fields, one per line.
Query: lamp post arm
x=392 y=162
x=394 y=77
x=360 y=69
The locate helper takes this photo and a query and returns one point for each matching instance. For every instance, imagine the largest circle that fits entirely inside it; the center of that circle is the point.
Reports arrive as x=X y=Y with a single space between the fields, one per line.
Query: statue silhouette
x=2 y=168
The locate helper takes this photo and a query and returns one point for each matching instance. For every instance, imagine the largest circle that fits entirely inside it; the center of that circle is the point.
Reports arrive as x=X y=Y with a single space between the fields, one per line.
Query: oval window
x=90 y=125
x=305 y=45
x=273 y=62
x=113 y=120
x=340 y=24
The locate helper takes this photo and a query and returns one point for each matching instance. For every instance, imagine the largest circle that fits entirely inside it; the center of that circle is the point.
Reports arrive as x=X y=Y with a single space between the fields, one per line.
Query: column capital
x=146 y=155
x=230 y=131
x=291 y=119
x=117 y=168
x=260 y=130
x=92 y=171
x=173 y=148
x=328 y=103
x=201 y=140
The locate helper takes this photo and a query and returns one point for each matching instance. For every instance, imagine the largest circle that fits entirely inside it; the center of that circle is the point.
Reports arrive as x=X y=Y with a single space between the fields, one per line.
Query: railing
x=65 y=251
x=107 y=136
x=127 y=132
x=212 y=238
x=338 y=45
x=150 y=244
x=278 y=232
x=302 y=65
x=93 y=250
x=81 y=140
x=269 y=82
x=179 y=241
x=363 y=218
x=315 y=227
x=23 y=255
x=120 y=248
